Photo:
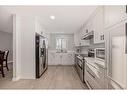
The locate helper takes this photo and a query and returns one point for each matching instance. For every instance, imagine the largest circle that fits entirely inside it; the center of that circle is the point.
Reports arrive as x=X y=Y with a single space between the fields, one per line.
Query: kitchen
x=91 y=47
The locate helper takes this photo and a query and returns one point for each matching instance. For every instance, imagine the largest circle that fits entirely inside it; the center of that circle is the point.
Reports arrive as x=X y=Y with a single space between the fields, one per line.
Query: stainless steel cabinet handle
x=89 y=85
x=126 y=8
x=91 y=74
x=101 y=37
x=126 y=38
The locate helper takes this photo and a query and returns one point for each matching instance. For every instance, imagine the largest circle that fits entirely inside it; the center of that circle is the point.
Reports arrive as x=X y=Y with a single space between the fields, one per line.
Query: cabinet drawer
x=96 y=74
x=91 y=83
x=113 y=85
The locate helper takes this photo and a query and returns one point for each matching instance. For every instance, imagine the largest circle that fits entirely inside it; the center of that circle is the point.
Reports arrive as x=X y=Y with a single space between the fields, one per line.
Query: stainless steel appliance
x=41 y=55
x=79 y=64
x=91 y=53
x=100 y=54
x=89 y=35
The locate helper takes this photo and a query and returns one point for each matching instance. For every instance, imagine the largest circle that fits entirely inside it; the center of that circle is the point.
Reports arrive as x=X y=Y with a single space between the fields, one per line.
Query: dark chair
x=6 y=59
x=1 y=63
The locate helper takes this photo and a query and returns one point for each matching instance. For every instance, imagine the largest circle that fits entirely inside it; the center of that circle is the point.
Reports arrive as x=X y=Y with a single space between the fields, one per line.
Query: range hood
x=88 y=36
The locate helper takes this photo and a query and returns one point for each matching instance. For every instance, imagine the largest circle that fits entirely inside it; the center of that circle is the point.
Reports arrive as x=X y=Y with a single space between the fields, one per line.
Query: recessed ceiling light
x=52 y=17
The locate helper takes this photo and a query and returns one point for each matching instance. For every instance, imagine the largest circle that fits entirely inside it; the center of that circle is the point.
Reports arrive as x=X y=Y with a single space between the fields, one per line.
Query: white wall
x=24 y=47
x=5 y=21
x=16 y=48
x=27 y=47
x=6 y=43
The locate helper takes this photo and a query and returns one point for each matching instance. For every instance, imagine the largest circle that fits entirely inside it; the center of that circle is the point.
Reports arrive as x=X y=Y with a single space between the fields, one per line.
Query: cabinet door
x=91 y=83
x=71 y=58
x=67 y=59
x=113 y=85
x=76 y=38
x=39 y=29
x=117 y=67
x=114 y=14
x=98 y=26
x=58 y=59
x=83 y=42
x=88 y=27
x=51 y=58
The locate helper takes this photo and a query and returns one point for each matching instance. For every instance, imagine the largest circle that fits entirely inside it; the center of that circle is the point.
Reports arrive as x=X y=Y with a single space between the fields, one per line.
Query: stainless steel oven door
x=80 y=64
x=100 y=53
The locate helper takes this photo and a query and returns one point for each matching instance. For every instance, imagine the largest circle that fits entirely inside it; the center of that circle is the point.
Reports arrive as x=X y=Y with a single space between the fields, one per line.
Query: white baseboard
x=15 y=78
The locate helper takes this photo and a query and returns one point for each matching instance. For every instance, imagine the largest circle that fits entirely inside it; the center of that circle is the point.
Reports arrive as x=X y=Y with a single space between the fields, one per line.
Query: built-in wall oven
x=100 y=54
x=91 y=53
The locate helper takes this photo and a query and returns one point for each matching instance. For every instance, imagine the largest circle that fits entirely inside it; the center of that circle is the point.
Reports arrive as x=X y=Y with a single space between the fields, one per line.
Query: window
x=61 y=44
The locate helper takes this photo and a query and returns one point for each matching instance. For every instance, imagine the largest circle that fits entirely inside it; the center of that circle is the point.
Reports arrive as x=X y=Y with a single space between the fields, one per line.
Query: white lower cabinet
x=113 y=85
x=91 y=83
x=94 y=77
x=51 y=58
x=67 y=59
x=60 y=58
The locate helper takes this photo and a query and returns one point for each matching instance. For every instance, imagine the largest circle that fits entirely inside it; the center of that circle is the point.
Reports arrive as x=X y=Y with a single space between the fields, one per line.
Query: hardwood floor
x=8 y=74
x=56 y=77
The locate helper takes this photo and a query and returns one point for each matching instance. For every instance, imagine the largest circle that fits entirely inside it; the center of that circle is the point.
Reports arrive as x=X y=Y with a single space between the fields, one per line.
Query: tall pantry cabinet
x=115 y=28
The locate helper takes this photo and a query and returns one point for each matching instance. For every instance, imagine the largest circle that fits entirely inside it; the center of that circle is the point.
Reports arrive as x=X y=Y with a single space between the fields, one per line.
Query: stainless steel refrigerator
x=41 y=55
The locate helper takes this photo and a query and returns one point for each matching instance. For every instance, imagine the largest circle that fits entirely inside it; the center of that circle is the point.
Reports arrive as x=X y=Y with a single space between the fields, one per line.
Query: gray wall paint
x=69 y=37
x=6 y=43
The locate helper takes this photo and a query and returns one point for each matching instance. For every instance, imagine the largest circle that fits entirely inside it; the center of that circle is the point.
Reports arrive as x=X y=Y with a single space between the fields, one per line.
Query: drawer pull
x=91 y=74
x=89 y=85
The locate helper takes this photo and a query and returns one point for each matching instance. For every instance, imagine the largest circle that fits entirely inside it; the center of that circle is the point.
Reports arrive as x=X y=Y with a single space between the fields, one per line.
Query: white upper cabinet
x=98 y=25
x=114 y=14
x=76 y=39
x=87 y=27
x=38 y=27
x=82 y=41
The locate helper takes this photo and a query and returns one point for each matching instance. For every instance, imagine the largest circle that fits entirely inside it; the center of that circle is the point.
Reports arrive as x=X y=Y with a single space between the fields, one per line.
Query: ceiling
x=68 y=19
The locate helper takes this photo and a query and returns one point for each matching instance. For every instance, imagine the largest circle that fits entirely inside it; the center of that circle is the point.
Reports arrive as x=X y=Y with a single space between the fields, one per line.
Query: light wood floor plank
x=56 y=77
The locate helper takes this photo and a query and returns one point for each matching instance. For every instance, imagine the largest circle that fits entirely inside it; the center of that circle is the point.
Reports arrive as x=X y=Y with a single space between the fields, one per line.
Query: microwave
x=100 y=54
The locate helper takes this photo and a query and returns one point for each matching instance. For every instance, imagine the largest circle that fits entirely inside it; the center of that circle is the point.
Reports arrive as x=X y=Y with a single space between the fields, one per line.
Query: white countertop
x=95 y=62
x=90 y=60
x=79 y=53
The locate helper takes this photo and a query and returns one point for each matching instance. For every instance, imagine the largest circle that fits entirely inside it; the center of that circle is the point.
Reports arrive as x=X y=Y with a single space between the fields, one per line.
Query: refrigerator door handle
x=126 y=39
x=126 y=8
